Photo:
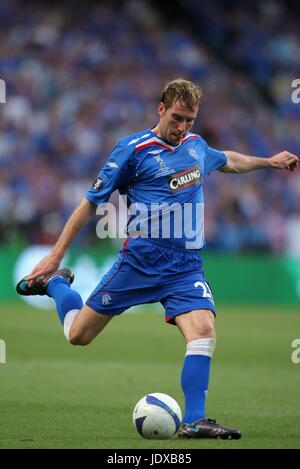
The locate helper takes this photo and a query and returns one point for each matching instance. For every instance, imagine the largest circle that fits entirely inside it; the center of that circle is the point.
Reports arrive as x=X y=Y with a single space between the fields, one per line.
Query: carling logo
x=184 y=179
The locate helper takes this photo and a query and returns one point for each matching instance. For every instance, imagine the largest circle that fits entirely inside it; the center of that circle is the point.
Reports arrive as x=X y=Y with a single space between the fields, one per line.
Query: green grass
x=54 y=395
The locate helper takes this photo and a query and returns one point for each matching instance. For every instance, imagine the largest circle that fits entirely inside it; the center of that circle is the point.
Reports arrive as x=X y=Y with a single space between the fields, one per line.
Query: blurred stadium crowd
x=80 y=75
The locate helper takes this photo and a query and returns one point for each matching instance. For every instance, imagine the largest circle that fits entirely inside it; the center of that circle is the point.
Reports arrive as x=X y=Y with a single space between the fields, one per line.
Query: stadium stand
x=80 y=75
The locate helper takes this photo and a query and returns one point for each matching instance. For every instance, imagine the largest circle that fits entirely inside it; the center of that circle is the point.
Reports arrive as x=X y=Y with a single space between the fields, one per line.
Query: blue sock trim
x=194 y=383
x=65 y=298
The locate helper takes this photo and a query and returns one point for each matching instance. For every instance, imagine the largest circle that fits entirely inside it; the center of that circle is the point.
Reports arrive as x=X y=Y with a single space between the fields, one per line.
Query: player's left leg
x=197 y=328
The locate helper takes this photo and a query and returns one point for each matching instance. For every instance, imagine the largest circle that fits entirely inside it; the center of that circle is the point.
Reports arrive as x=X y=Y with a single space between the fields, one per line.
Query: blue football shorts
x=148 y=272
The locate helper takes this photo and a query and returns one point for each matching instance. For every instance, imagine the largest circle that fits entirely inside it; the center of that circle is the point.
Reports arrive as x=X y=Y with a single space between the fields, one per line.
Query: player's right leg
x=128 y=283
x=83 y=327
x=81 y=323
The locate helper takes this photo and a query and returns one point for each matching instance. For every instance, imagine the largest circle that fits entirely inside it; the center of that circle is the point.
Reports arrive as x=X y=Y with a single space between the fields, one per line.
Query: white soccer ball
x=157 y=416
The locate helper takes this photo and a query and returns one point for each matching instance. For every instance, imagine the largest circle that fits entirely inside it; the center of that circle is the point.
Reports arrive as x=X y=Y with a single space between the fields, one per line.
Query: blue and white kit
x=161 y=182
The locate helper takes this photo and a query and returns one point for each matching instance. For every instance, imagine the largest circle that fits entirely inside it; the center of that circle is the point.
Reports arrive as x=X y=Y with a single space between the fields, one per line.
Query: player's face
x=175 y=121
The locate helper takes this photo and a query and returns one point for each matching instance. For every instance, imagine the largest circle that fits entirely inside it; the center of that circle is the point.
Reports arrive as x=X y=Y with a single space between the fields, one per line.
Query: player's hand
x=285 y=160
x=46 y=266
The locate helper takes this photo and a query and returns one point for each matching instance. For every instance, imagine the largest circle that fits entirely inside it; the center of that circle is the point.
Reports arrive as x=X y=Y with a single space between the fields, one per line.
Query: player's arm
x=75 y=223
x=238 y=163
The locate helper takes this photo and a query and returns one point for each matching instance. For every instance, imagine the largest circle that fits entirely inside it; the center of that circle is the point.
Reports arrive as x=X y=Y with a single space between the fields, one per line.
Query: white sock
x=68 y=321
x=201 y=347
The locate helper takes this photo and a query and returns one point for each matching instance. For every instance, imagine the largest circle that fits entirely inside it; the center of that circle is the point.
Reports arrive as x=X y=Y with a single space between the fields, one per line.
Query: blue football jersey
x=163 y=185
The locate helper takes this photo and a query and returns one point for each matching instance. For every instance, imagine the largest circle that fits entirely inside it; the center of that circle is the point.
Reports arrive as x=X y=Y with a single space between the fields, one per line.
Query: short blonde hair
x=183 y=90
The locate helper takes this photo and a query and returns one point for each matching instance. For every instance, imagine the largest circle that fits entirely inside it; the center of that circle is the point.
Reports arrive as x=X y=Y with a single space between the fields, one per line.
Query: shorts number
x=206 y=290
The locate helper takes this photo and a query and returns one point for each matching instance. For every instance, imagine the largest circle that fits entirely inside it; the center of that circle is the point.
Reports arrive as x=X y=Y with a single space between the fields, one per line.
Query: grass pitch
x=54 y=395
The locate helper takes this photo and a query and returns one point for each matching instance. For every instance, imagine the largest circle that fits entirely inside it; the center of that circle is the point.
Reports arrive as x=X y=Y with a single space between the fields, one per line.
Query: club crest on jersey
x=184 y=179
x=98 y=184
x=193 y=153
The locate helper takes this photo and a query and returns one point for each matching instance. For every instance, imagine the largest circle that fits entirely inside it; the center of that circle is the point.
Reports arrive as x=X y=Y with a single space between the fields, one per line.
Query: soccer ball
x=157 y=416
